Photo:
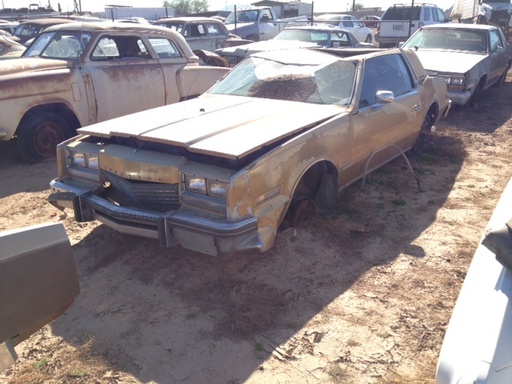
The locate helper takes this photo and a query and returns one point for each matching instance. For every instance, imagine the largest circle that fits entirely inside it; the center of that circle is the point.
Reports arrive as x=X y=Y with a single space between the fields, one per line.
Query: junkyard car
x=348 y=23
x=470 y=57
x=200 y=32
x=28 y=29
x=82 y=73
x=295 y=37
x=10 y=49
x=279 y=135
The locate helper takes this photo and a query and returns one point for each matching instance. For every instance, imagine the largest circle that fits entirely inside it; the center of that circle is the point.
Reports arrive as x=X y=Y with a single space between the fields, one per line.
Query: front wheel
x=38 y=136
x=430 y=119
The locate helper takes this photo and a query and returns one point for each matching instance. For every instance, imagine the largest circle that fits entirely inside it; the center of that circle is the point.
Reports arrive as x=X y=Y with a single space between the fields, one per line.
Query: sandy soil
x=362 y=296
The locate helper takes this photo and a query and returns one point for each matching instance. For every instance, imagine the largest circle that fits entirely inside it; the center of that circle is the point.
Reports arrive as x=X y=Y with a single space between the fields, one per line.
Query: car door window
x=384 y=73
x=348 y=24
x=197 y=30
x=164 y=48
x=120 y=47
x=426 y=14
x=495 y=40
x=266 y=15
x=214 y=29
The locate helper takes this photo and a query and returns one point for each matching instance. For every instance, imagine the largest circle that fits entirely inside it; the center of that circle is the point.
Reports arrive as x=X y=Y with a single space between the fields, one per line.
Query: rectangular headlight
x=84 y=160
x=195 y=184
x=217 y=188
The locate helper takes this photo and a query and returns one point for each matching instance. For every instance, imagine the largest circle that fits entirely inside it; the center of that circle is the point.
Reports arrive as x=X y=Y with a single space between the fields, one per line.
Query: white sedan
x=349 y=23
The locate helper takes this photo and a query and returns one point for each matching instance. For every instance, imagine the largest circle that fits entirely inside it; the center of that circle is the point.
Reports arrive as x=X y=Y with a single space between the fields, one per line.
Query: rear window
x=402 y=13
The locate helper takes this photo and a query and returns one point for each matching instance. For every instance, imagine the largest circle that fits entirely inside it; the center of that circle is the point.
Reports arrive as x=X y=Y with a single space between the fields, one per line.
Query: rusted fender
x=38 y=282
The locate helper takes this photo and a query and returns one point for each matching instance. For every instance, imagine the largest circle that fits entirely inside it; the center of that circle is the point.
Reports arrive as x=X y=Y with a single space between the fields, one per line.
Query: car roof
x=321 y=27
x=47 y=21
x=187 y=19
x=459 y=26
x=108 y=25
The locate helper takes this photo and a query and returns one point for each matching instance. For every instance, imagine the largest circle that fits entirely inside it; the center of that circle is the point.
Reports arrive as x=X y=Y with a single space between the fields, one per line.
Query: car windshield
x=329 y=82
x=59 y=45
x=449 y=39
x=242 y=16
x=175 y=26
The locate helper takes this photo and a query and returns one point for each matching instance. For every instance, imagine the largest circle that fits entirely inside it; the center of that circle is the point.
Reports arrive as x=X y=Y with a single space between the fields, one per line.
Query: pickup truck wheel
x=368 y=39
x=38 y=136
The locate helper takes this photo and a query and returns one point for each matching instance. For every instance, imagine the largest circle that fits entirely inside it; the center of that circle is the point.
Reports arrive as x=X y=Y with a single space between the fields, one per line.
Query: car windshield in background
x=175 y=26
x=449 y=39
x=244 y=16
x=330 y=82
x=59 y=45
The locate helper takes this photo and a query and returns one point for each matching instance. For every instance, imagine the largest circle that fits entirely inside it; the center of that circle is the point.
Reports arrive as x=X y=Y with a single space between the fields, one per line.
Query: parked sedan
x=10 y=49
x=296 y=37
x=28 y=29
x=348 y=23
x=470 y=57
x=370 y=21
x=200 y=32
x=277 y=137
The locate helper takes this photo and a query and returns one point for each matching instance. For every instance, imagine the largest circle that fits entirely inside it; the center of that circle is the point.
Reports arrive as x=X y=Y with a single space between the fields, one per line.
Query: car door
x=382 y=126
x=198 y=37
x=172 y=62
x=217 y=35
x=124 y=75
x=498 y=55
x=267 y=25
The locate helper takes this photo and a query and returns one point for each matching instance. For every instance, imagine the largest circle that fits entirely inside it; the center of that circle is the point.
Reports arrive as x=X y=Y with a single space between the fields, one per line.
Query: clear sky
x=320 y=5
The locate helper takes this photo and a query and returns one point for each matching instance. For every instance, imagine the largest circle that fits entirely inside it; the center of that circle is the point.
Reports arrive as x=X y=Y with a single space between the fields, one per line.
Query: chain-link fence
x=483 y=12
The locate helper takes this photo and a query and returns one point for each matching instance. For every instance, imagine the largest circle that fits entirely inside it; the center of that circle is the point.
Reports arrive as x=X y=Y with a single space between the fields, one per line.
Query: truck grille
x=141 y=194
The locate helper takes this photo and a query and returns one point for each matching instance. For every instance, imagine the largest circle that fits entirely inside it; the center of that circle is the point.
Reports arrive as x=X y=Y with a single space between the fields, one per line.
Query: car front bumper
x=175 y=227
x=459 y=97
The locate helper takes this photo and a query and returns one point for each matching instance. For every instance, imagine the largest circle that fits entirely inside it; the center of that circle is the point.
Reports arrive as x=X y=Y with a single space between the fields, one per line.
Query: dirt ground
x=361 y=296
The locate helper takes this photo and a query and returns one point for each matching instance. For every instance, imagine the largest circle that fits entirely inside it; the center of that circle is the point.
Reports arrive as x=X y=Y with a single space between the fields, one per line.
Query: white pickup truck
x=401 y=21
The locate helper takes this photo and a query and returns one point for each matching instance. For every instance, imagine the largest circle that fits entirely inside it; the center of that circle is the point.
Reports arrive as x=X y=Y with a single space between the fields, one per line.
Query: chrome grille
x=141 y=194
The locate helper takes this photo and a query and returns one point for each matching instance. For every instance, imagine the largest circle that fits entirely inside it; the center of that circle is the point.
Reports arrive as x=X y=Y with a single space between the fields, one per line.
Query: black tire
x=430 y=119
x=368 y=39
x=38 y=136
x=475 y=97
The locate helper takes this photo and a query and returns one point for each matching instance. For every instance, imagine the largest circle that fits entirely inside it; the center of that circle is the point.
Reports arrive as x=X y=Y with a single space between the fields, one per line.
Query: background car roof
x=459 y=26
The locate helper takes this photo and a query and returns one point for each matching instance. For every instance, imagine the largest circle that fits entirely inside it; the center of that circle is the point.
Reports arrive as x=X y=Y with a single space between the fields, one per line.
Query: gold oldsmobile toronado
x=283 y=132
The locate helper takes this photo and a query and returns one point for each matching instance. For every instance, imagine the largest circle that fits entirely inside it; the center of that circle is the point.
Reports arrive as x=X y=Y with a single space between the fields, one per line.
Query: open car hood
x=218 y=125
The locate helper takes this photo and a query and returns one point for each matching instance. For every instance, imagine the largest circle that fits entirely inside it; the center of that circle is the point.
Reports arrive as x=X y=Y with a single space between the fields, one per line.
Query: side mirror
x=385 y=97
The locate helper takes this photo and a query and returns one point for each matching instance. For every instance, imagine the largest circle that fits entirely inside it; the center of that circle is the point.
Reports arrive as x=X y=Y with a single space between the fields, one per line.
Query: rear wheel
x=38 y=136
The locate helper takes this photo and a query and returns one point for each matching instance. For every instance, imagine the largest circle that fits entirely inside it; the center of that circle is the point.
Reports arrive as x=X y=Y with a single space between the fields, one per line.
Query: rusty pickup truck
x=77 y=74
